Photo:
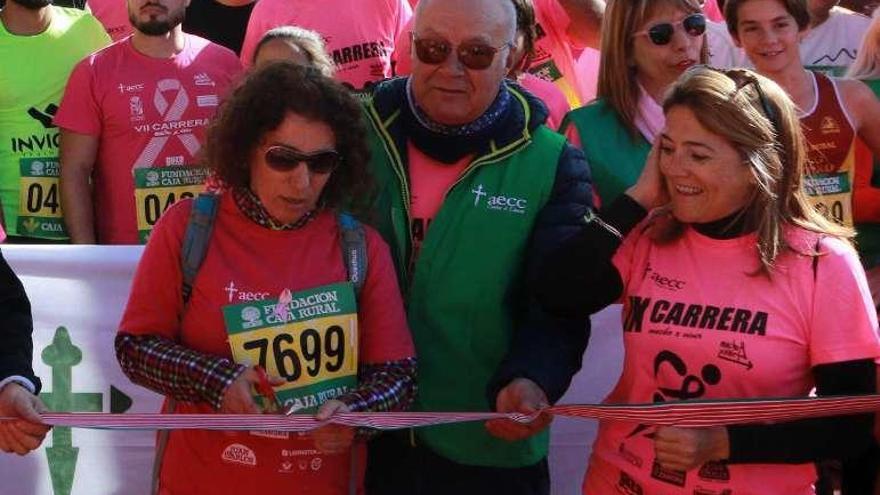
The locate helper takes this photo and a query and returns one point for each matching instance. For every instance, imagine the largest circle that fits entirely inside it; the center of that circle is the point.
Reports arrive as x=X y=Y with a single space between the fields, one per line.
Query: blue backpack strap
x=197 y=238
x=353 y=240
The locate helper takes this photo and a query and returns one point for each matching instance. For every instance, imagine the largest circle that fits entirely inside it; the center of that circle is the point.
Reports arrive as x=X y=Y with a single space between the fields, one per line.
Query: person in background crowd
x=473 y=190
x=713 y=10
x=296 y=45
x=132 y=121
x=646 y=45
x=736 y=288
x=866 y=211
x=565 y=28
x=723 y=51
x=222 y=21
x=835 y=113
x=113 y=15
x=864 y=7
x=549 y=93
x=19 y=387
x=56 y=37
x=289 y=147
x=833 y=38
x=360 y=34
x=866 y=177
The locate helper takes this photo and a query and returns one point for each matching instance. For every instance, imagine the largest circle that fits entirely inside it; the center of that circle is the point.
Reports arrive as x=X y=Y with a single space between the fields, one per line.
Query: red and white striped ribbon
x=684 y=414
x=293 y=422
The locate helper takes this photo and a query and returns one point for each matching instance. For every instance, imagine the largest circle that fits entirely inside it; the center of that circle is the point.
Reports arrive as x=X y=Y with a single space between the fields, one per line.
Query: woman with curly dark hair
x=277 y=291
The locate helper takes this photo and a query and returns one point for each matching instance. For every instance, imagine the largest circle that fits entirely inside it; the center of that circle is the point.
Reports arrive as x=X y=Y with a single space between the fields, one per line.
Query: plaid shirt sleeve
x=169 y=368
x=389 y=386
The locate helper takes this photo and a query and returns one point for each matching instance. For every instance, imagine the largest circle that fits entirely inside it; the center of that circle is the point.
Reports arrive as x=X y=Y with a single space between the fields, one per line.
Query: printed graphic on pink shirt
x=150 y=116
x=697 y=325
x=359 y=34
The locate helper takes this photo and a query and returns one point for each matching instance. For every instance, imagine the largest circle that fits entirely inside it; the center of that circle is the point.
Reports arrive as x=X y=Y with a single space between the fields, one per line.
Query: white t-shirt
x=723 y=52
x=832 y=46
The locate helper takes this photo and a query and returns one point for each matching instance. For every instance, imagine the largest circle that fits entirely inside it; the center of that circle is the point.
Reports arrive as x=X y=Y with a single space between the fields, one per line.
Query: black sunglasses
x=474 y=55
x=284 y=159
x=661 y=34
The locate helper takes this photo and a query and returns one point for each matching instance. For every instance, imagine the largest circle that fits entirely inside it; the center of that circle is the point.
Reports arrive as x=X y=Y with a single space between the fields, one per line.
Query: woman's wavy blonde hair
x=758 y=118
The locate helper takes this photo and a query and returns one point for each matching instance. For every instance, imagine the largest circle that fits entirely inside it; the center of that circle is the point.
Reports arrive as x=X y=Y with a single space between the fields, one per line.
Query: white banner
x=78 y=294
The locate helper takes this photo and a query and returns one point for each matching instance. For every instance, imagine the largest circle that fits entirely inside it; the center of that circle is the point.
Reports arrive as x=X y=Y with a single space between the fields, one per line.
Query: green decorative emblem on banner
x=62 y=355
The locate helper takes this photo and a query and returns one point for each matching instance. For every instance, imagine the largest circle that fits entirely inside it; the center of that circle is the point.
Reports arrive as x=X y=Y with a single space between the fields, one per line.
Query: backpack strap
x=353 y=239
x=197 y=238
x=192 y=253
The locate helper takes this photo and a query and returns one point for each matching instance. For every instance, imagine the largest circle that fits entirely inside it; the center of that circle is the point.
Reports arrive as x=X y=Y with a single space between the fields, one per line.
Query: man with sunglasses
x=474 y=190
x=132 y=121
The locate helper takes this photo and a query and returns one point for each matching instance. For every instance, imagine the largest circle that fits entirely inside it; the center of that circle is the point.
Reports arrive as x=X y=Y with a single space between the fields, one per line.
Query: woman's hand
x=683 y=449
x=650 y=190
x=332 y=439
x=238 y=397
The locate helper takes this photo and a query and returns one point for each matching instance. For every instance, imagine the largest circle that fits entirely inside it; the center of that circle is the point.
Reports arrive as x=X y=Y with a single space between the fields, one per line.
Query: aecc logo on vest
x=499 y=202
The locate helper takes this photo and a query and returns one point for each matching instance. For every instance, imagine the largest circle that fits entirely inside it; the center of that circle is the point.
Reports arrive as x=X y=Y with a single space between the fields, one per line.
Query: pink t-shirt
x=698 y=326
x=430 y=181
x=554 y=60
x=549 y=93
x=148 y=113
x=359 y=34
x=113 y=15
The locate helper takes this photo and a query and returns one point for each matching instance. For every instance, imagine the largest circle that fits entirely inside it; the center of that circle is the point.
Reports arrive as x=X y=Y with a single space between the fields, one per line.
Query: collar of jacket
x=388 y=105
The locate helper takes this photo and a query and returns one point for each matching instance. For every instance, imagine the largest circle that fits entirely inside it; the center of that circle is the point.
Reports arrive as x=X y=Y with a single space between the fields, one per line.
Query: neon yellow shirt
x=35 y=71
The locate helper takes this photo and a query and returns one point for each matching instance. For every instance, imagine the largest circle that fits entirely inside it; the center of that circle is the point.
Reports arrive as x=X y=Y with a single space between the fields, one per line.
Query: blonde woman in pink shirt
x=734 y=287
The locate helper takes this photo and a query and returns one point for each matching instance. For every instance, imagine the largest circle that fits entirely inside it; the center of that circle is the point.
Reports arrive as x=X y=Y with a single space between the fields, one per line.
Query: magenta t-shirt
x=359 y=34
x=698 y=326
x=148 y=113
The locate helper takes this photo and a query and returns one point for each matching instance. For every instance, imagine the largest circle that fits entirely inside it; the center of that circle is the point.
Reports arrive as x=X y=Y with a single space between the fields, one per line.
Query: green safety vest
x=616 y=158
x=464 y=297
